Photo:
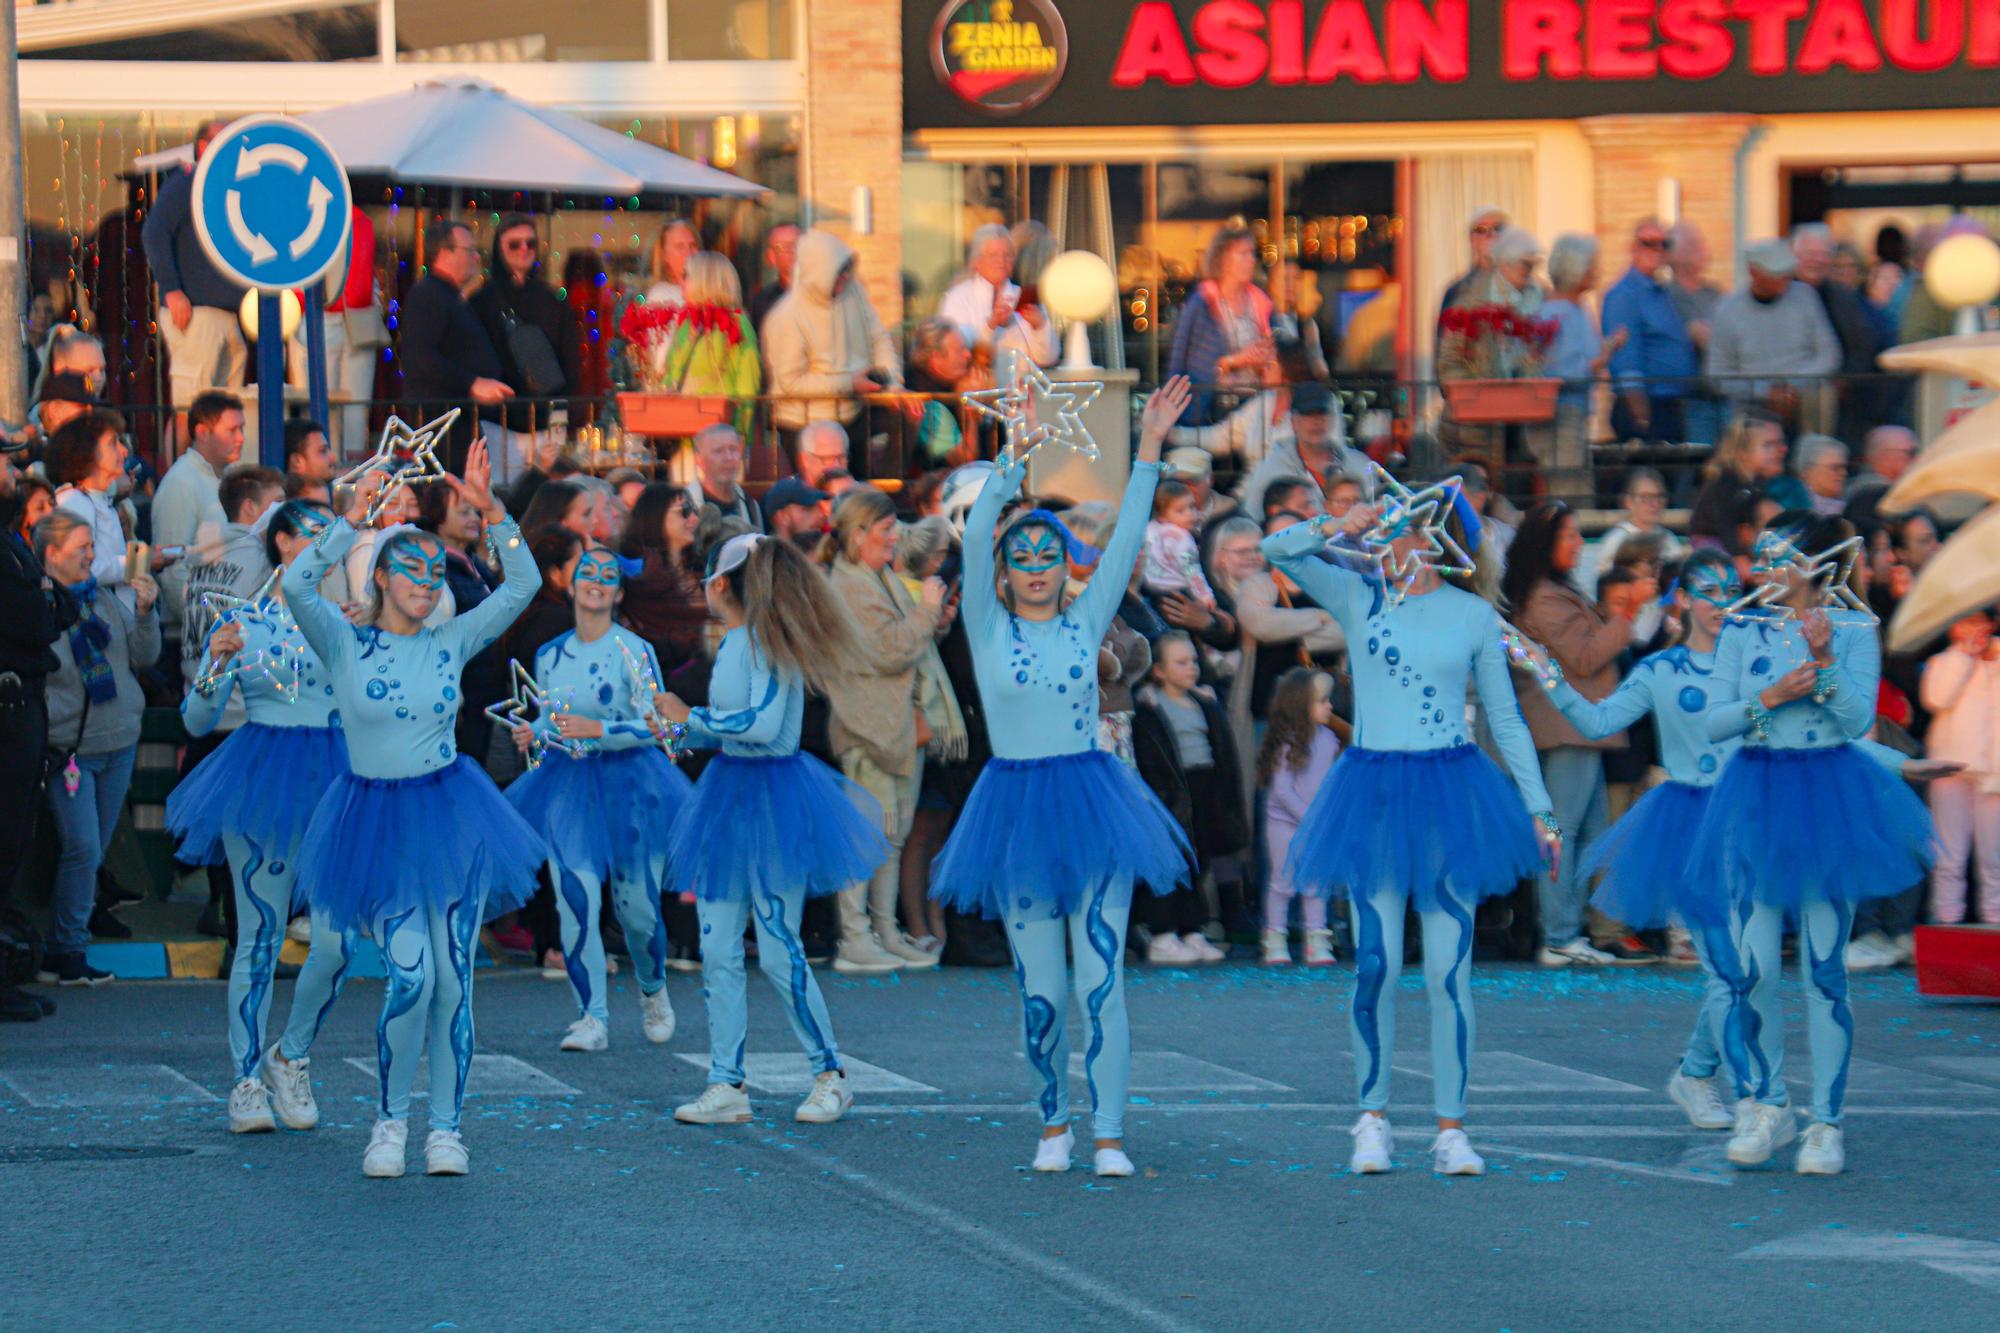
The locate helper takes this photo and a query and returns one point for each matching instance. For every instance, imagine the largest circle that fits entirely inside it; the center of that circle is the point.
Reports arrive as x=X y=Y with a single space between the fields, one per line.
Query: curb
x=174 y=960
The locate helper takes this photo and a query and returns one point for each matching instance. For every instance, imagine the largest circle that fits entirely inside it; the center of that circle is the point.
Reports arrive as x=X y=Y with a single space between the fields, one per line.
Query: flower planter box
x=1502 y=402
x=674 y=415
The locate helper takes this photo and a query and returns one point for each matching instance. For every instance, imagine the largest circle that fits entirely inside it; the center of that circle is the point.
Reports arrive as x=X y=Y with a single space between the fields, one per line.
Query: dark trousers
x=24 y=743
x=1894 y=916
x=1668 y=424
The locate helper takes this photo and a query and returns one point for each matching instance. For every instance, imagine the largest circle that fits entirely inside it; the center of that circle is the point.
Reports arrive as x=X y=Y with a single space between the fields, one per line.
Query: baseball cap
x=1772 y=257
x=66 y=387
x=1311 y=399
x=791 y=491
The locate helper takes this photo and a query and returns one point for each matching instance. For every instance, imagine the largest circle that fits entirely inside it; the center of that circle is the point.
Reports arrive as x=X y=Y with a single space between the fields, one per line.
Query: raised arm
x=520 y=578
x=1495 y=683
x=1097 y=605
x=981 y=600
x=318 y=619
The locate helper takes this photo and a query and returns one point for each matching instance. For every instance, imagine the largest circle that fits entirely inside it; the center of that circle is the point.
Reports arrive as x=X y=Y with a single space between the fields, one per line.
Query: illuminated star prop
x=405 y=455
x=524 y=707
x=1403 y=512
x=644 y=686
x=280 y=663
x=1034 y=410
x=1830 y=573
x=1523 y=652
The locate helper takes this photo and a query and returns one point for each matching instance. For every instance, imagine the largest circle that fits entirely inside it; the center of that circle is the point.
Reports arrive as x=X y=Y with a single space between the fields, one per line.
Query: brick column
x=854 y=133
x=1633 y=154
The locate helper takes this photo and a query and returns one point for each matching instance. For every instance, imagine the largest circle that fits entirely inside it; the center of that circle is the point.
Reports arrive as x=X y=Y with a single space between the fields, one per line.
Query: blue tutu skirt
x=1047 y=832
x=611 y=811
x=1443 y=826
x=1787 y=827
x=379 y=847
x=262 y=784
x=773 y=823
x=1644 y=860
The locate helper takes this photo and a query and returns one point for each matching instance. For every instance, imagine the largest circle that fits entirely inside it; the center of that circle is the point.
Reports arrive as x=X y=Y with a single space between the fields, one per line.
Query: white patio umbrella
x=464 y=132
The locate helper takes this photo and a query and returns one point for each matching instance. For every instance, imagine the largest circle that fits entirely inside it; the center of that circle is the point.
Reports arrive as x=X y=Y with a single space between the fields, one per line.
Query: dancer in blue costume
x=604 y=797
x=1643 y=858
x=1803 y=824
x=767 y=827
x=415 y=842
x=252 y=800
x=1413 y=814
x=1057 y=833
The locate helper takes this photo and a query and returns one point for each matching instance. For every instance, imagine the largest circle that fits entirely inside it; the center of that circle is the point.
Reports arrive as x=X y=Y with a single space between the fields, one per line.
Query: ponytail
x=793 y=617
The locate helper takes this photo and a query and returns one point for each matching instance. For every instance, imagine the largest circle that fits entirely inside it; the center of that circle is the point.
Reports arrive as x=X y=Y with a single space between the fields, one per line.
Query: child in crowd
x=1173 y=559
x=1961 y=688
x=1298 y=751
x=1185 y=752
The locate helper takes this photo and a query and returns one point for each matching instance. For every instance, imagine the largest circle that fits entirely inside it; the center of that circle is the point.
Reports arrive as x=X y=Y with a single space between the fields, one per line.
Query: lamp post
x=1080 y=287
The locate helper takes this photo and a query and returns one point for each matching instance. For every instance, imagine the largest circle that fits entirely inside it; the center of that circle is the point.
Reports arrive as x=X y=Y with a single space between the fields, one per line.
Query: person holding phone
x=990 y=310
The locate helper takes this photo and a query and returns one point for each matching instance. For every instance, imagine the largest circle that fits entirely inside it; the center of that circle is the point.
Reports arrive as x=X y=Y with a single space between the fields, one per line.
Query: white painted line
x=1410 y=1110
x=1974 y=1261
x=1170 y=1071
x=1504 y=1071
x=491 y=1076
x=1868 y=1076
x=1680 y=1174
x=105 y=1085
x=787 y=1075
x=1985 y=1067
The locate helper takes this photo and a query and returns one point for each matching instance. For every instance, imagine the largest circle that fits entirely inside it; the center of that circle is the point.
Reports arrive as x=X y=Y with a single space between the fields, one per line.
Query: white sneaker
x=719 y=1104
x=300 y=931
x=914 y=956
x=1169 y=951
x=445 y=1154
x=656 y=1016
x=1761 y=1129
x=1452 y=1155
x=291 y=1088
x=828 y=1100
x=1680 y=949
x=1276 y=951
x=586 y=1034
x=250 y=1108
x=1374 y=1141
x=1906 y=949
x=1319 y=948
x=1053 y=1154
x=1703 y=1104
x=1579 y=951
x=1204 y=952
x=386 y=1147
x=863 y=956
x=1113 y=1162
x=1872 y=953
x=1822 y=1153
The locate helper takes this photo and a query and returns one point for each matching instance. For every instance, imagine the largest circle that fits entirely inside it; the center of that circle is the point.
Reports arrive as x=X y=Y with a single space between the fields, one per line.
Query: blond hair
x=712 y=280
x=853 y=514
x=795 y=620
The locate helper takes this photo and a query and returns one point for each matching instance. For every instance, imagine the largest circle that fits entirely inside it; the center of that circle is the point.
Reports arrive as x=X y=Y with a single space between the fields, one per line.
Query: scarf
x=87 y=641
x=949 y=739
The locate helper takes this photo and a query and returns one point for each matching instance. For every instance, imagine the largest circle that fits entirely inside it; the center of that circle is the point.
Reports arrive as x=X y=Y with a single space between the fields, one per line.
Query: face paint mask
x=421 y=570
x=1717 y=591
x=598 y=567
x=311 y=523
x=1034 y=550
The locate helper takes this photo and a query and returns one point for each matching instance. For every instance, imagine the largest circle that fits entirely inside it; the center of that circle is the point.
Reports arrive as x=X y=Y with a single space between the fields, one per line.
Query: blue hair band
x=1469 y=519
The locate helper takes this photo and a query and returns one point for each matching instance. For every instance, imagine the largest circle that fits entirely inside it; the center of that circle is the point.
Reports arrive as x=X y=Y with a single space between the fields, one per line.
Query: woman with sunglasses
x=533 y=329
x=767 y=827
x=1057 y=833
x=663 y=600
x=252 y=800
x=603 y=795
x=415 y=843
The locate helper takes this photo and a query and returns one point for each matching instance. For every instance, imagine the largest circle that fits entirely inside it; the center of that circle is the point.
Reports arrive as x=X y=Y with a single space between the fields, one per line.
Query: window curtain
x=1448 y=188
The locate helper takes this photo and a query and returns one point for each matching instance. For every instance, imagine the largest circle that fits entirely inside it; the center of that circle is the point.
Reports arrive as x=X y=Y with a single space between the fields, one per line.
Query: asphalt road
x=126 y=1205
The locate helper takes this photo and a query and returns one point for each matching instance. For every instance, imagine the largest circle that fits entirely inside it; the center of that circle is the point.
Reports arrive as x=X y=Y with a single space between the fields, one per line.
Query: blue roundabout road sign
x=271 y=203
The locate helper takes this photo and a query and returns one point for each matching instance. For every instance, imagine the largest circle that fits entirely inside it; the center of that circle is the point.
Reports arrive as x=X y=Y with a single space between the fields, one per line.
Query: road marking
x=1972 y=1066
x=1170 y=1071
x=1682 y=1174
x=1400 y=1109
x=1869 y=1076
x=491 y=1076
x=787 y=1075
x=1504 y=1071
x=1974 y=1261
x=105 y=1085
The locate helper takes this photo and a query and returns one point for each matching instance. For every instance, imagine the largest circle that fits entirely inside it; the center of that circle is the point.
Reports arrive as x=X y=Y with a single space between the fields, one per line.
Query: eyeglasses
x=1486 y=229
x=1651 y=242
x=527 y=243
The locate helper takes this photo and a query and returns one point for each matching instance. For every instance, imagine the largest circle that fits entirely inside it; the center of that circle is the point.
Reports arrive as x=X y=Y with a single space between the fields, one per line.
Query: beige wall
x=854 y=133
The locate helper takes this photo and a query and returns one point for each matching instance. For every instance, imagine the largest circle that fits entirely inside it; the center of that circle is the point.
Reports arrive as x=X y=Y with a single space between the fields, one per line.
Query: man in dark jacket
x=198 y=305
x=33 y=611
x=448 y=361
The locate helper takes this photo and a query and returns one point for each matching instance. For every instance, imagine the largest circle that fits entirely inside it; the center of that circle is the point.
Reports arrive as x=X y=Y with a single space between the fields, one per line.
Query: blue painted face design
x=599 y=567
x=413 y=562
x=312 y=523
x=1034 y=550
x=1719 y=592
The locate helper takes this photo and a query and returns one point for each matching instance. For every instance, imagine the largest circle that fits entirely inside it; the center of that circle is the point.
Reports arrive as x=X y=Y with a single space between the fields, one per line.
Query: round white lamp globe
x=1963 y=271
x=289 y=314
x=1080 y=287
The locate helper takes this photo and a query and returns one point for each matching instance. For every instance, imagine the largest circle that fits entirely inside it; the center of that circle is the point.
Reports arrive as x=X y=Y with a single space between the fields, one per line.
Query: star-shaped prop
x=1831 y=574
x=1402 y=512
x=280 y=663
x=405 y=455
x=524 y=707
x=644 y=686
x=1034 y=410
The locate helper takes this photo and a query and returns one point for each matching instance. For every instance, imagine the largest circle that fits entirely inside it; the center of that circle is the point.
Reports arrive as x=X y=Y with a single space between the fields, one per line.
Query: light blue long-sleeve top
x=1412 y=662
x=753 y=711
x=271 y=634
x=1038 y=678
x=1755 y=651
x=398 y=694
x=592 y=680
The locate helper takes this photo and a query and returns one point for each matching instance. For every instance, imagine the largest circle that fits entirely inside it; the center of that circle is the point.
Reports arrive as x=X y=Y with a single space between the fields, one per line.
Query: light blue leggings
x=783 y=960
x=1823 y=930
x=579 y=905
x=1378 y=953
x=428 y=956
x=263 y=906
x=1096 y=934
x=1717 y=1038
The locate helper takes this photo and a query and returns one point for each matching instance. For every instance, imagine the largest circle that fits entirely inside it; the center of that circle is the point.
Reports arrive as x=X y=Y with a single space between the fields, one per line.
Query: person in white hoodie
x=1961 y=689
x=824 y=346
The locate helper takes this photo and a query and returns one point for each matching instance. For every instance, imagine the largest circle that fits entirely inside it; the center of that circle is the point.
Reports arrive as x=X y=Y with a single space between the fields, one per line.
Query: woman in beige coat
x=875 y=727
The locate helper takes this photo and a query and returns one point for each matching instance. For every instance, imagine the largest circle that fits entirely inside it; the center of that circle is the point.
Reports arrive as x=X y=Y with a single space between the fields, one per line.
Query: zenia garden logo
x=1001 y=56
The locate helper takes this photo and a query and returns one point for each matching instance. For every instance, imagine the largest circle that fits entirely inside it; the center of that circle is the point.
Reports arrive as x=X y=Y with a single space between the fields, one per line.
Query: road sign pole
x=315 y=318
x=270 y=380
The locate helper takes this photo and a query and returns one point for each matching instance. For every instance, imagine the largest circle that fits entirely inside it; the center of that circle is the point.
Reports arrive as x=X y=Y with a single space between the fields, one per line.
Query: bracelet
x=1824 y=684
x=1547 y=819
x=1760 y=718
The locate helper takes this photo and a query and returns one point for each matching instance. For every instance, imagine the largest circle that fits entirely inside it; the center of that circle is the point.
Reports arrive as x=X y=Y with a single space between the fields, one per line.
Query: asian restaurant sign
x=1191 y=62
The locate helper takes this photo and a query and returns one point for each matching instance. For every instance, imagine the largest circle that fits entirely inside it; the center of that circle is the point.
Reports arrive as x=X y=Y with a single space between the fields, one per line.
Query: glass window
x=729 y=29
x=317 y=33
x=449 y=31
